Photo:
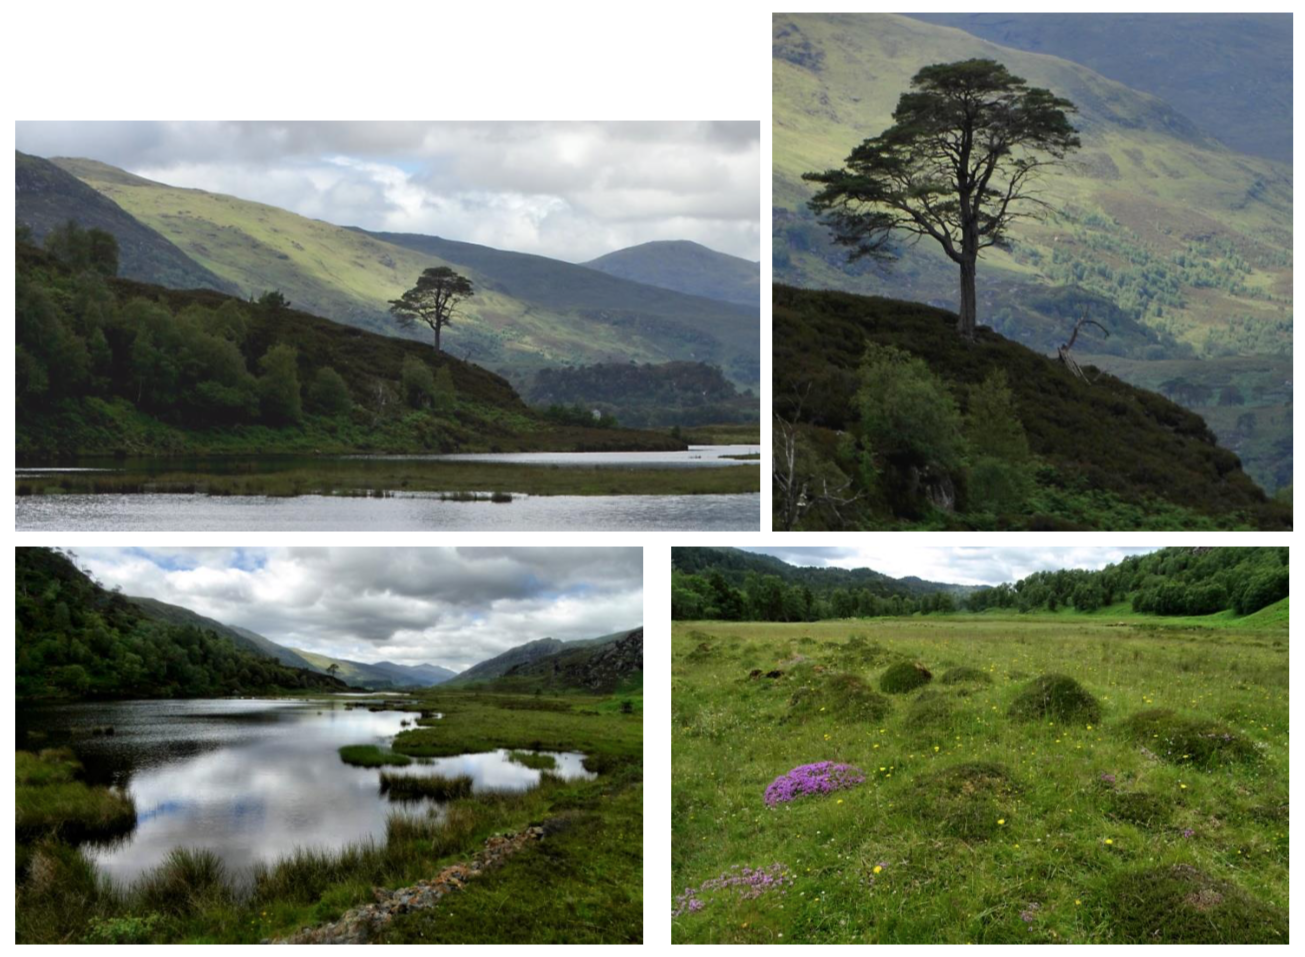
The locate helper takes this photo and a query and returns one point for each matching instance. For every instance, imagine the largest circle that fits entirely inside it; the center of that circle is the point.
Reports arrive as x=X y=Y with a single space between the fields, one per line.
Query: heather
x=1137 y=793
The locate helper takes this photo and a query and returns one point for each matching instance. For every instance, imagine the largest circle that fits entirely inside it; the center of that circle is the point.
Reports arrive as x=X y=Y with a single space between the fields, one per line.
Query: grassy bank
x=991 y=809
x=581 y=884
x=52 y=804
x=363 y=478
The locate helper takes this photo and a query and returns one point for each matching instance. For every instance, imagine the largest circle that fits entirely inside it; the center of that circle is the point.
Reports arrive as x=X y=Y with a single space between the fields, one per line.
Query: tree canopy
x=956 y=166
x=432 y=300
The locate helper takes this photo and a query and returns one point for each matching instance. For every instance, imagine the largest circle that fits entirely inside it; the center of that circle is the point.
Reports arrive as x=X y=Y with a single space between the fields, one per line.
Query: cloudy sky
x=446 y=606
x=957 y=566
x=571 y=191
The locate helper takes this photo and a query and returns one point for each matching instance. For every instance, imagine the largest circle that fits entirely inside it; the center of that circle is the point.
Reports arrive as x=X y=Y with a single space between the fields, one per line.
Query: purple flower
x=1188 y=832
x=749 y=883
x=819 y=778
x=1108 y=778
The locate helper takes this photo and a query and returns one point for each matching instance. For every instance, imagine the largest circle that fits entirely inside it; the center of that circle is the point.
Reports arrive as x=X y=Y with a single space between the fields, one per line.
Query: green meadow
x=1044 y=778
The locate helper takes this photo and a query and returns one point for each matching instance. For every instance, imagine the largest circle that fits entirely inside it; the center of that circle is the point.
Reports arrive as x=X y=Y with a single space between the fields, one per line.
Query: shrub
x=964 y=801
x=823 y=777
x=122 y=930
x=904 y=676
x=840 y=697
x=962 y=674
x=278 y=387
x=418 y=382
x=1180 y=904
x=329 y=394
x=1194 y=741
x=1055 y=696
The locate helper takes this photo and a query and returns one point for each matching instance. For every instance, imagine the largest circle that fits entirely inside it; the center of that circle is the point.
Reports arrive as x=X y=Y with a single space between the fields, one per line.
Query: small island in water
x=181 y=779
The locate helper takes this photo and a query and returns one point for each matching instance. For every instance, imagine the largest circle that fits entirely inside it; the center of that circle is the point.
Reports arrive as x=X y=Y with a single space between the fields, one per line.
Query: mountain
x=528 y=312
x=524 y=655
x=735 y=565
x=47 y=197
x=687 y=267
x=380 y=674
x=1230 y=72
x=1108 y=455
x=602 y=667
x=240 y=637
x=76 y=639
x=1177 y=244
x=636 y=305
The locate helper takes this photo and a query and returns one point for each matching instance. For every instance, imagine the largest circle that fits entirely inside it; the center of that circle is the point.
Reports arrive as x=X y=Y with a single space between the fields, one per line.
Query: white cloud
x=572 y=191
x=451 y=607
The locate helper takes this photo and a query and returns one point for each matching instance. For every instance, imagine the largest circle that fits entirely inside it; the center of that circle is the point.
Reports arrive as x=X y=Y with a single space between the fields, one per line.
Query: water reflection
x=251 y=780
x=403 y=512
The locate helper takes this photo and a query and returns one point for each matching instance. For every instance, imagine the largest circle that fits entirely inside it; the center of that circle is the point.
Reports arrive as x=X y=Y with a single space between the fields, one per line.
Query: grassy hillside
x=686 y=266
x=1181 y=247
x=1231 y=73
x=47 y=197
x=351 y=275
x=240 y=637
x=1108 y=455
x=610 y=664
x=108 y=396
x=1145 y=801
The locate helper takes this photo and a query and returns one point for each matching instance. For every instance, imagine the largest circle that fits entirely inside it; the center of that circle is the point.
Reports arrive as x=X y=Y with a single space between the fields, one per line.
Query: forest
x=75 y=639
x=1172 y=581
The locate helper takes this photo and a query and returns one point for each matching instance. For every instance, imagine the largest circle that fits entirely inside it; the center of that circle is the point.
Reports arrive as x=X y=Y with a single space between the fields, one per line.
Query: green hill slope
x=1177 y=244
x=604 y=666
x=240 y=637
x=47 y=196
x=351 y=275
x=686 y=266
x=1111 y=455
x=75 y=639
x=1231 y=73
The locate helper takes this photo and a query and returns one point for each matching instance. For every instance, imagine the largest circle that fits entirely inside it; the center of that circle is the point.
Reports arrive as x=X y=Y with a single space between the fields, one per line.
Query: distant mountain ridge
x=47 y=197
x=687 y=267
x=735 y=564
x=524 y=655
x=601 y=666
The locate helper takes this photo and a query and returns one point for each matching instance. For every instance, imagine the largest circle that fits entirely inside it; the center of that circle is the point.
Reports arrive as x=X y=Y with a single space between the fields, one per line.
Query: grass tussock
x=433 y=787
x=1139 y=807
x=903 y=677
x=372 y=756
x=930 y=709
x=1182 y=904
x=540 y=762
x=964 y=675
x=970 y=801
x=189 y=880
x=839 y=697
x=1193 y=741
x=1057 y=697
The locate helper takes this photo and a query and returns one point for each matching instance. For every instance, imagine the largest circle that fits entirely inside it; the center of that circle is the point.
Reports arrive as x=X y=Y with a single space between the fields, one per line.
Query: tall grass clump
x=188 y=881
x=1055 y=696
x=434 y=787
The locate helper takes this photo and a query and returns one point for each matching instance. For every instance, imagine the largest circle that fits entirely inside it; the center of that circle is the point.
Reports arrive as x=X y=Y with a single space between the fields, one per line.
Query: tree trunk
x=437 y=338
x=965 y=321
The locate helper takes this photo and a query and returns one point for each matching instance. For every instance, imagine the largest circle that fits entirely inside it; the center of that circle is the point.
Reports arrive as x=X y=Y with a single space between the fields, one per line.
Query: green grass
x=362 y=478
x=49 y=801
x=372 y=756
x=975 y=827
x=581 y=884
x=540 y=762
x=417 y=787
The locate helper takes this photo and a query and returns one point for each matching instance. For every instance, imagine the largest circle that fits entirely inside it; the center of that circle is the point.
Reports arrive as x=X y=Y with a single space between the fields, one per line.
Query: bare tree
x=1063 y=350
x=796 y=492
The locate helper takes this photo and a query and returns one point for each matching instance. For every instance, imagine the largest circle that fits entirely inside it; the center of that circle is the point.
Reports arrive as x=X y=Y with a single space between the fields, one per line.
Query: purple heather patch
x=750 y=883
x=819 y=778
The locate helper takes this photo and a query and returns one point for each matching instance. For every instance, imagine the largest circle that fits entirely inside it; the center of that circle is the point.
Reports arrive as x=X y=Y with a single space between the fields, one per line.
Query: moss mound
x=1195 y=741
x=1055 y=696
x=929 y=710
x=965 y=801
x=703 y=651
x=962 y=675
x=904 y=676
x=859 y=650
x=843 y=698
x=1183 y=905
x=1138 y=807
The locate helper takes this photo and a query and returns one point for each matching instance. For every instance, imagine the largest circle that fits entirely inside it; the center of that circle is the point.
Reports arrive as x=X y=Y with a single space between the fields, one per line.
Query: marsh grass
x=372 y=756
x=540 y=762
x=965 y=855
x=418 y=787
x=50 y=801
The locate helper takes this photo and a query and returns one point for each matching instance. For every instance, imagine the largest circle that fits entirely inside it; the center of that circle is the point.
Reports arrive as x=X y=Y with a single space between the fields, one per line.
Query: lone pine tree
x=956 y=165
x=432 y=301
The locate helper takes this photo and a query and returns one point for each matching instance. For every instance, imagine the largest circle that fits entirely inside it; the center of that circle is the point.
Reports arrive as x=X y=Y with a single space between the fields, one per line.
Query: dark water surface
x=249 y=779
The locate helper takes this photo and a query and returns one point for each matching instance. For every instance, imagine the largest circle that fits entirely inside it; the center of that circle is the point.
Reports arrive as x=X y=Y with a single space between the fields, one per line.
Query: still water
x=696 y=456
x=249 y=779
x=415 y=512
